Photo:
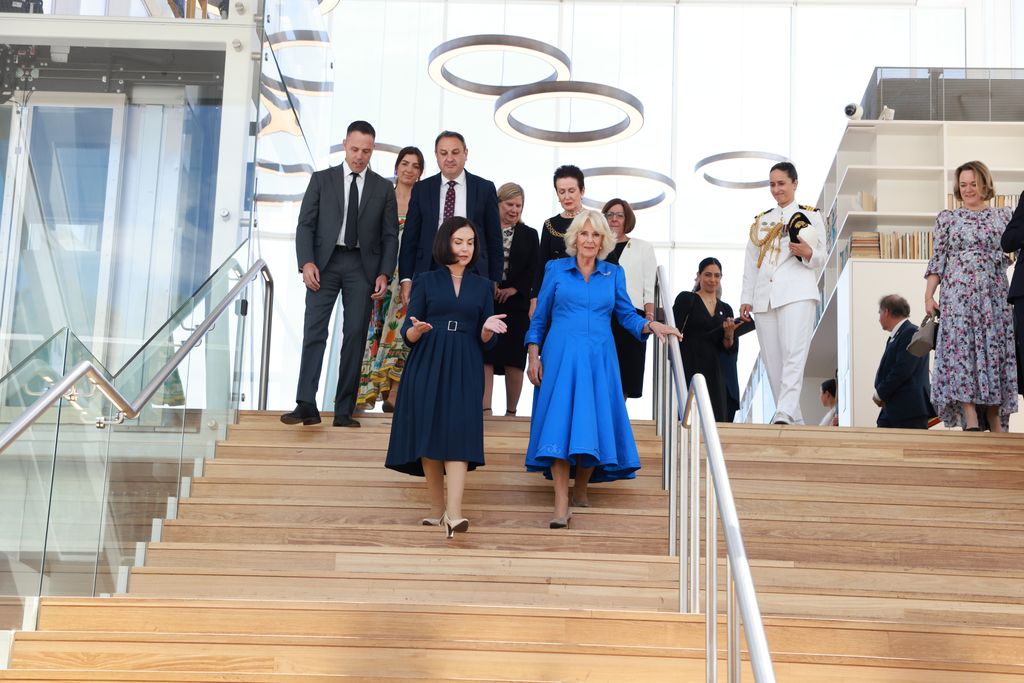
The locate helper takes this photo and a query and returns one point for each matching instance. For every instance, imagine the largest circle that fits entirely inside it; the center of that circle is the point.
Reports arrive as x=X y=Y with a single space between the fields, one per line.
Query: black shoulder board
x=805 y=207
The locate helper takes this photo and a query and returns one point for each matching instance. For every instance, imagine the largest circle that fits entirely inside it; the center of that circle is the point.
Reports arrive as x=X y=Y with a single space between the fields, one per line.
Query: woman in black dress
x=438 y=429
x=708 y=328
x=508 y=356
x=569 y=188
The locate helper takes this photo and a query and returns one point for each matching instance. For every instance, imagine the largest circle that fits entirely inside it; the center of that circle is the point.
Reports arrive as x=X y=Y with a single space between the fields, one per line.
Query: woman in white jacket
x=636 y=258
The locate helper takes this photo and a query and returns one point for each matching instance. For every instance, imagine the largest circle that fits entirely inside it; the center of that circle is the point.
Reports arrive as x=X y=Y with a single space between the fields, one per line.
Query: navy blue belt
x=450 y=326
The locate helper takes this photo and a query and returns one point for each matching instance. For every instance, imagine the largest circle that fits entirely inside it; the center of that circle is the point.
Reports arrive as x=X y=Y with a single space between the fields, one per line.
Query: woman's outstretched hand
x=418 y=329
x=496 y=324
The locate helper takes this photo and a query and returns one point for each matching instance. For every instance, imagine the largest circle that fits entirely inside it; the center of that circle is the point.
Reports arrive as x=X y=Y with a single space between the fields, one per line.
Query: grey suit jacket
x=320 y=216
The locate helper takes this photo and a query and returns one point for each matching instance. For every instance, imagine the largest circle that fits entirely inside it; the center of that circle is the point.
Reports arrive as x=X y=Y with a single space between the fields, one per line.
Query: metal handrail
x=690 y=410
x=131 y=408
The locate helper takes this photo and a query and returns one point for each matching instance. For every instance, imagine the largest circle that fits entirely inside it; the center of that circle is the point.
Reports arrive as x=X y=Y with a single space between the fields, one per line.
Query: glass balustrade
x=76 y=500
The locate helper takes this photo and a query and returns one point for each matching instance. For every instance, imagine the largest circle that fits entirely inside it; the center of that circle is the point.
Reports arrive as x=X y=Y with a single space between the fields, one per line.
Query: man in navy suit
x=901 y=383
x=1013 y=241
x=461 y=194
x=346 y=241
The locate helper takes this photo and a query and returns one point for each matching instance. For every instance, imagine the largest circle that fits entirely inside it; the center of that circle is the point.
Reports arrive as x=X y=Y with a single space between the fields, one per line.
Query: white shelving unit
x=888 y=176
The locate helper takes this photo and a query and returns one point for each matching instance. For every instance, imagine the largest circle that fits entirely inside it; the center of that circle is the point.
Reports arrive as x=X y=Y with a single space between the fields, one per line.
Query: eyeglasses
x=615 y=214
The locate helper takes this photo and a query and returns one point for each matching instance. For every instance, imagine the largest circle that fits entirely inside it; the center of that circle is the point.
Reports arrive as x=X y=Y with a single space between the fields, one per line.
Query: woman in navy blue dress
x=580 y=428
x=438 y=428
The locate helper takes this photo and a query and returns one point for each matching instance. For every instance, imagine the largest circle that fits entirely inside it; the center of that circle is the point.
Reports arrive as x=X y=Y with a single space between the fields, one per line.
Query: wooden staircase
x=878 y=555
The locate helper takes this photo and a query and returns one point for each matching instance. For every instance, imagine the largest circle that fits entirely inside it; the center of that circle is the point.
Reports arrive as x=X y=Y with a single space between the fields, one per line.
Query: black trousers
x=342 y=274
x=1018 y=336
x=914 y=423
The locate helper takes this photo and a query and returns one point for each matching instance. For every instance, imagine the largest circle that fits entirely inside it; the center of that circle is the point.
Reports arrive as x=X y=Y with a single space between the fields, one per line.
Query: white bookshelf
x=906 y=169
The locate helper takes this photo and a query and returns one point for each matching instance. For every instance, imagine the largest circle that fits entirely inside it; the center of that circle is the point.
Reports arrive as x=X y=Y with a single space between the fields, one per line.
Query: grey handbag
x=923 y=340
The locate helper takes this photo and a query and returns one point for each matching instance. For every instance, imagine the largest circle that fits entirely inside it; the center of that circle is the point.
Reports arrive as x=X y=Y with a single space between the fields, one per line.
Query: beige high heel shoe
x=432 y=521
x=453 y=525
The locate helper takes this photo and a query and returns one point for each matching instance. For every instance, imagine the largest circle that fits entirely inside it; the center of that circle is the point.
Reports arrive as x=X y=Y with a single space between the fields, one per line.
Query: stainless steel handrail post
x=268 y=316
x=732 y=625
x=694 y=518
x=711 y=579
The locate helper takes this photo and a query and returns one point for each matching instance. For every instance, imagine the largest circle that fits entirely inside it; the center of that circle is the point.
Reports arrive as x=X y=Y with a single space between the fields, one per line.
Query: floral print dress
x=975 y=360
x=385 y=354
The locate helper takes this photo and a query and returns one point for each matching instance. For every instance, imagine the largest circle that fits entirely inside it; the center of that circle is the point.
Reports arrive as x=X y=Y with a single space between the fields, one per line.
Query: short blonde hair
x=510 y=190
x=982 y=176
x=598 y=222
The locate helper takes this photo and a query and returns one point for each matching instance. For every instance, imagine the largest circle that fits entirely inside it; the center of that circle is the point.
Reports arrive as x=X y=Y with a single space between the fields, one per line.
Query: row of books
x=894 y=245
x=1000 y=201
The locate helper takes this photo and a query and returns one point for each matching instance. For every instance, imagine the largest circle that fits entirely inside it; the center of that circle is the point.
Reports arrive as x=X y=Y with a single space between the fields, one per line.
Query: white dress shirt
x=460 y=197
x=360 y=182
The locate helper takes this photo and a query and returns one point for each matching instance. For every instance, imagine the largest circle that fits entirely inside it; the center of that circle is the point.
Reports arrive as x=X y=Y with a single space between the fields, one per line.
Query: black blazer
x=1013 y=240
x=902 y=380
x=321 y=214
x=522 y=264
x=417 y=252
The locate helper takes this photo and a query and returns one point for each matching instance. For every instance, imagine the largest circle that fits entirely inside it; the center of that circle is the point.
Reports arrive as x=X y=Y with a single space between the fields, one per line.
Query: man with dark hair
x=829 y=400
x=901 y=383
x=346 y=242
x=460 y=194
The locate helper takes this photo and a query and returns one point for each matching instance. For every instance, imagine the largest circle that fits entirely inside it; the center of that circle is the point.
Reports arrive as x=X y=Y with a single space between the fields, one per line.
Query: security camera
x=853 y=111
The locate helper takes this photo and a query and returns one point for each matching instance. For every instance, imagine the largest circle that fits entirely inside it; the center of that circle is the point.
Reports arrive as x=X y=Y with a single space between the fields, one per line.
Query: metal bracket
x=102 y=422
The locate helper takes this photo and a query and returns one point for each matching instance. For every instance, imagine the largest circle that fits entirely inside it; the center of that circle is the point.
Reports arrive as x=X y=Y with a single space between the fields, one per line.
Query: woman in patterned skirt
x=974 y=380
x=385 y=352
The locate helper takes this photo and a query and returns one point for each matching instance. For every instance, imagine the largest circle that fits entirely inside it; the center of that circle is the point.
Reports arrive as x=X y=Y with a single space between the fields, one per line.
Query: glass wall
x=108 y=214
x=712 y=77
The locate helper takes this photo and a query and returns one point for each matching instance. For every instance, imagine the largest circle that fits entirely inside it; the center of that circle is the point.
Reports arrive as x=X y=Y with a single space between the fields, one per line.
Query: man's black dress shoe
x=306 y=413
x=345 y=421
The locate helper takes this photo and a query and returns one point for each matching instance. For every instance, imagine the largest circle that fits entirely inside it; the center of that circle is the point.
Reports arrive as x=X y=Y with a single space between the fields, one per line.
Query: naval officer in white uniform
x=780 y=287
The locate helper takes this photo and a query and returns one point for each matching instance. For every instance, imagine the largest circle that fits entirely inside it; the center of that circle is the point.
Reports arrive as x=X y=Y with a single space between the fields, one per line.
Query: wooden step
x=452 y=562
x=323 y=513
x=334 y=473
x=536 y=539
x=606 y=495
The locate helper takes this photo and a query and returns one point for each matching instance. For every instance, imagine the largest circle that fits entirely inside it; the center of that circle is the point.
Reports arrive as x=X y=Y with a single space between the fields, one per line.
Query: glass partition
x=76 y=499
x=26 y=471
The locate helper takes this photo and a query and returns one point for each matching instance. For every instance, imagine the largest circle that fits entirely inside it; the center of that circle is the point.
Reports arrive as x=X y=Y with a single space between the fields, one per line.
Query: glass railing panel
x=132 y=378
x=79 y=483
x=26 y=471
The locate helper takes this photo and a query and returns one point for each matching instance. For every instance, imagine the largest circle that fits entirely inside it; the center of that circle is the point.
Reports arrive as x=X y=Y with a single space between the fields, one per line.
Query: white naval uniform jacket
x=783 y=278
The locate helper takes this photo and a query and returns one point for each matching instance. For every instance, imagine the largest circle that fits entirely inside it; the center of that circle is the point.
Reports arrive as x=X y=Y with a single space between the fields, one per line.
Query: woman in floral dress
x=974 y=380
x=385 y=352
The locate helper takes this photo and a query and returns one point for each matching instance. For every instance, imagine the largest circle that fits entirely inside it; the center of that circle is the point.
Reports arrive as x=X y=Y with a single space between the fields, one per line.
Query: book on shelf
x=906 y=245
x=864 y=245
x=1000 y=201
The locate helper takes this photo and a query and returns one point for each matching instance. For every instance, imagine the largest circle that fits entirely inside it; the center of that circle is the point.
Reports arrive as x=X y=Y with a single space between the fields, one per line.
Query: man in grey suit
x=346 y=242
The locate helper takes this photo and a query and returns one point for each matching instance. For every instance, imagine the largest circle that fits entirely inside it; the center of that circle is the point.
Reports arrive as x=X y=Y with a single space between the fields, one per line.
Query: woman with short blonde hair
x=580 y=428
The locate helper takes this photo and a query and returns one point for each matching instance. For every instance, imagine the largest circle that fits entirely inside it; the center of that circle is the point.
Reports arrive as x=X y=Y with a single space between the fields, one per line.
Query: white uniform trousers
x=785 y=337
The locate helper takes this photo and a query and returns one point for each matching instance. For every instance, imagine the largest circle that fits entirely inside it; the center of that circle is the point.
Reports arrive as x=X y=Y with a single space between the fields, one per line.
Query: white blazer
x=641 y=268
x=782 y=277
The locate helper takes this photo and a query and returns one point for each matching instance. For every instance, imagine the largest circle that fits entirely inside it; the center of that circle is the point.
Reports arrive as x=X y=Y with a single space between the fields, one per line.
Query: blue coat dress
x=579 y=414
x=438 y=414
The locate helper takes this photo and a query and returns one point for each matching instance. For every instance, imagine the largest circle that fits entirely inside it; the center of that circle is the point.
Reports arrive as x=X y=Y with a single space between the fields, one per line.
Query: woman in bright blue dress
x=438 y=428
x=580 y=428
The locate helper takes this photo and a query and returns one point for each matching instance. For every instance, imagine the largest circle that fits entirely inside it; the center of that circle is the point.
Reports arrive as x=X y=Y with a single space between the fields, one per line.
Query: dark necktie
x=449 y=201
x=352 y=216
